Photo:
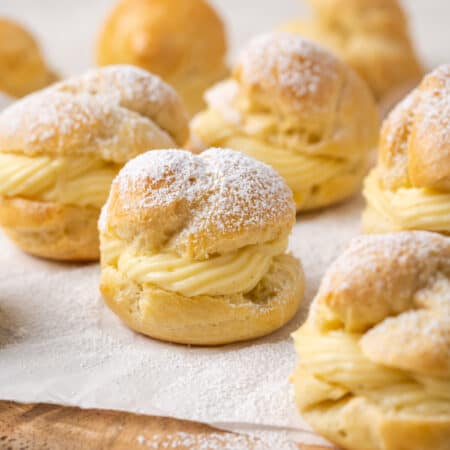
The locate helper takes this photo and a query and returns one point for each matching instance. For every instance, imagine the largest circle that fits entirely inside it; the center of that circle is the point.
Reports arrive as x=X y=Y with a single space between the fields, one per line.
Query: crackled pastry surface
x=410 y=187
x=183 y=41
x=193 y=248
x=294 y=106
x=61 y=148
x=372 y=36
x=374 y=354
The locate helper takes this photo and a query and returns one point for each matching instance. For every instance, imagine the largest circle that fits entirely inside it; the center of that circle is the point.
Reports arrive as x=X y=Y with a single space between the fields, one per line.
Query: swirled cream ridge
x=405 y=208
x=81 y=181
x=222 y=125
x=334 y=366
x=300 y=170
x=236 y=272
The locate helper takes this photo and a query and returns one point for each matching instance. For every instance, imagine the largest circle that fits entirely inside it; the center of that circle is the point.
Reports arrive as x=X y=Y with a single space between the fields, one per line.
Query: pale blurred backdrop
x=68 y=29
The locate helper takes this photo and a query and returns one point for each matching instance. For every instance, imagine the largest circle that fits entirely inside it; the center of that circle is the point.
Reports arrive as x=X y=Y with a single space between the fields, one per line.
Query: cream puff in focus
x=410 y=187
x=193 y=248
x=183 y=41
x=294 y=106
x=22 y=66
x=374 y=353
x=371 y=36
x=60 y=149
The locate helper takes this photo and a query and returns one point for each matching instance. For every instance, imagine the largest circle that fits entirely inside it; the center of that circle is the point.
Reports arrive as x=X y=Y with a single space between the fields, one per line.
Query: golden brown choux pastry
x=374 y=354
x=294 y=106
x=371 y=36
x=61 y=148
x=193 y=248
x=183 y=41
x=22 y=67
x=410 y=187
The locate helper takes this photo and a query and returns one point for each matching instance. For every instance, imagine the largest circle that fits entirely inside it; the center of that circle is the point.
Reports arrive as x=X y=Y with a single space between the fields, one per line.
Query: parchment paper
x=60 y=344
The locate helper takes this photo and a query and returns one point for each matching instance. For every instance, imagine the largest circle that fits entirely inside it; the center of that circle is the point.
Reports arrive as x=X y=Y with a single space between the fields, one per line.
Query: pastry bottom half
x=203 y=319
x=51 y=230
x=357 y=424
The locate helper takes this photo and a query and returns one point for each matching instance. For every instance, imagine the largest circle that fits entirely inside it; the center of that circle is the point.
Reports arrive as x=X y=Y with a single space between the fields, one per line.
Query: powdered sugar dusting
x=137 y=90
x=46 y=116
x=221 y=97
x=435 y=108
x=93 y=112
x=370 y=253
x=289 y=61
x=226 y=190
x=426 y=110
x=130 y=82
x=202 y=441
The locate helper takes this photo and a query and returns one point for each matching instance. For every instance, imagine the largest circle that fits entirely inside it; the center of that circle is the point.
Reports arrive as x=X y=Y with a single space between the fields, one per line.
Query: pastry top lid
x=308 y=90
x=415 y=139
x=395 y=289
x=198 y=206
x=115 y=113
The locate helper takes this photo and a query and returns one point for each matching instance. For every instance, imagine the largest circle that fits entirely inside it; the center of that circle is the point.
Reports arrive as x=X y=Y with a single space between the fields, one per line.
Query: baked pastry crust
x=79 y=131
x=410 y=187
x=183 y=41
x=22 y=66
x=371 y=36
x=51 y=230
x=374 y=369
x=296 y=107
x=197 y=210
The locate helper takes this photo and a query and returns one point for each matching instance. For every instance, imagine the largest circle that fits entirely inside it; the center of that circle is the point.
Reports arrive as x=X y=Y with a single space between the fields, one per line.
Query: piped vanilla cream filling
x=232 y=273
x=302 y=171
x=408 y=208
x=332 y=365
x=81 y=181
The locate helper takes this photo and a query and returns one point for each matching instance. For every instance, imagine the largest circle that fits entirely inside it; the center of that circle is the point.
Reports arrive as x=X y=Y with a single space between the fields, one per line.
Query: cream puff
x=183 y=41
x=294 y=106
x=371 y=36
x=410 y=187
x=22 y=66
x=193 y=248
x=61 y=148
x=374 y=353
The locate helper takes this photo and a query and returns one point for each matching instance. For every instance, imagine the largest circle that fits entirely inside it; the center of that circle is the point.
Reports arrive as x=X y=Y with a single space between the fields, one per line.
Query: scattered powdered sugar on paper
x=265 y=440
x=60 y=344
x=202 y=441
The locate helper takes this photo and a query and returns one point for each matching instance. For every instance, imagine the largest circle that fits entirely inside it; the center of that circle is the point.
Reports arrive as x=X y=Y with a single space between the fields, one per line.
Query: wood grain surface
x=51 y=427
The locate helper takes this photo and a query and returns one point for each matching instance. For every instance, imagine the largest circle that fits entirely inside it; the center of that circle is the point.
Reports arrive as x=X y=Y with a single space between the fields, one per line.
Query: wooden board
x=51 y=427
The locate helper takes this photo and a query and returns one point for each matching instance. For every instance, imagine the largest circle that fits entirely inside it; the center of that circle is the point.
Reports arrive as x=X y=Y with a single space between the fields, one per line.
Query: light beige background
x=68 y=28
